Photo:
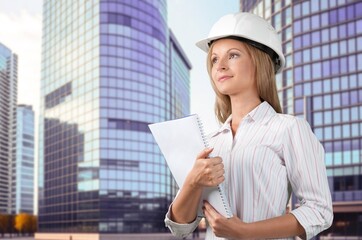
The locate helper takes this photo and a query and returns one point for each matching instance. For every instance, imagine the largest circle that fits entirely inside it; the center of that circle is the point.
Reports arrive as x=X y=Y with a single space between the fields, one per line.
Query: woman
x=263 y=155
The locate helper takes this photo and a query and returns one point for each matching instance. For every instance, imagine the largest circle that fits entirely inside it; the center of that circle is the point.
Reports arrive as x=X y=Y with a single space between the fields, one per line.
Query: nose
x=222 y=64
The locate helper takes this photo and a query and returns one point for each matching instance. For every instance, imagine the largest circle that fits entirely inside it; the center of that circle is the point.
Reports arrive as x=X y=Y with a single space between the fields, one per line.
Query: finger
x=217 y=174
x=219 y=179
x=210 y=209
x=207 y=215
x=218 y=167
x=205 y=153
x=216 y=161
x=210 y=212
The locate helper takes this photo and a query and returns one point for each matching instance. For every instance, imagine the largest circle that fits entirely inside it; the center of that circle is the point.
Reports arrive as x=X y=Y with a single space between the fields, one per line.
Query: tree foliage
x=25 y=223
x=3 y=224
x=34 y=224
x=6 y=223
x=21 y=223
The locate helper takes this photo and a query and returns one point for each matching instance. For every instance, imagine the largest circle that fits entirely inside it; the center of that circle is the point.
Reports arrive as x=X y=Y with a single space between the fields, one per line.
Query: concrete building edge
x=66 y=236
x=97 y=236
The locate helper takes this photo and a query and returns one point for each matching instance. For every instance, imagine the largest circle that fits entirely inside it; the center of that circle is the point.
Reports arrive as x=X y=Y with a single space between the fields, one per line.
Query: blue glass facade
x=23 y=201
x=107 y=72
x=8 y=98
x=322 y=82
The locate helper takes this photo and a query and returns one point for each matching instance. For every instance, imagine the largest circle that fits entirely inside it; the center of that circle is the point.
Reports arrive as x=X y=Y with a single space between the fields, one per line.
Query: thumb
x=205 y=153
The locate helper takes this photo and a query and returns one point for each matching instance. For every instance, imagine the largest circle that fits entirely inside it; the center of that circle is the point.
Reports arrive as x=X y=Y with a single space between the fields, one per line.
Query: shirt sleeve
x=180 y=230
x=304 y=159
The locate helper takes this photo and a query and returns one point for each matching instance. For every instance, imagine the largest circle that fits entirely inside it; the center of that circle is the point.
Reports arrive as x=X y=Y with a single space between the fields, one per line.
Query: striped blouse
x=270 y=156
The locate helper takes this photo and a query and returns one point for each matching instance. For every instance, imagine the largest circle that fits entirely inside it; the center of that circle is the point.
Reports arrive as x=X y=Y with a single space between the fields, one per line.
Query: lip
x=224 y=78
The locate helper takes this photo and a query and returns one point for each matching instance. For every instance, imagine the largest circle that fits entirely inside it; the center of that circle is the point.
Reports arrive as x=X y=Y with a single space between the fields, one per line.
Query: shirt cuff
x=180 y=230
x=303 y=216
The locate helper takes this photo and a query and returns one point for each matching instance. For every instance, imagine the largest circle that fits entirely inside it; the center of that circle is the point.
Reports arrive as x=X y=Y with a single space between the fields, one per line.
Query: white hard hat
x=251 y=29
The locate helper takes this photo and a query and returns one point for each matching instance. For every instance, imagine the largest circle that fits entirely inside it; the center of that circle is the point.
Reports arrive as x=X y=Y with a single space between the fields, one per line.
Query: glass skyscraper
x=8 y=99
x=322 y=82
x=109 y=68
x=23 y=185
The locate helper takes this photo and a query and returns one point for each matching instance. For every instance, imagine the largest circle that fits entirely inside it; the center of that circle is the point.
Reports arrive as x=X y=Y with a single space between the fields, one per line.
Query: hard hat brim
x=205 y=45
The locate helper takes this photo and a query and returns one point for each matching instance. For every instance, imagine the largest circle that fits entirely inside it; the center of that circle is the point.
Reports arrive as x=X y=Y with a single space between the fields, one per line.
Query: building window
x=317 y=87
x=336 y=116
x=296 y=11
x=316 y=53
x=351 y=29
x=351 y=45
x=334 y=49
x=317 y=119
x=324 y=19
x=317 y=70
x=337 y=131
x=299 y=105
x=298 y=74
x=298 y=90
x=315 y=21
x=336 y=100
x=342 y=15
x=326 y=68
x=128 y=125
x=327 y=117
x=306 y=72
x=297 y=43
x=306 y=55
x=346 y=183
x=306 y=24
x=335 y=66
x=334 y=33
x=297 y=57
x=316 y=37
x=314 y=6
x=342 y=31
x=305 y=8
x=325 y=35
x=319 y=133
x=307 y=89
x=288 y=16
x=306 y=40
x=317 y=103
x=327 y=101
x=325 y=51
x=58 y=96
x=333 y=17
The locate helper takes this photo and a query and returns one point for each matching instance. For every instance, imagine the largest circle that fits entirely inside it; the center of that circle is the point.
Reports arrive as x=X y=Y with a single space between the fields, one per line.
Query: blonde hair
x=265 y=82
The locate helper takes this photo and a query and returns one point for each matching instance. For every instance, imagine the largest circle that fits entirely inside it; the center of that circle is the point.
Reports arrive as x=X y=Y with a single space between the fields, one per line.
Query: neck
x=240 y=106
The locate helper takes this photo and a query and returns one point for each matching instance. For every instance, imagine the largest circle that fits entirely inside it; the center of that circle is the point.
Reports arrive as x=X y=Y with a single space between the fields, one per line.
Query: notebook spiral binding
x=220 y=189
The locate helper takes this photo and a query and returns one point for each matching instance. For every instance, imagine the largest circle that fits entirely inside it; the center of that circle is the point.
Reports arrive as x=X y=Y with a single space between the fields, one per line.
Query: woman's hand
x=284 y=226
x=221 y=226
x=206 y=172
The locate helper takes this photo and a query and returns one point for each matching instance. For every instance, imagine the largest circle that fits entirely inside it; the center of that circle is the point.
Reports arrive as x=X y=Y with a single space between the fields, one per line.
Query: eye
x=214 y=60
x=233 y=55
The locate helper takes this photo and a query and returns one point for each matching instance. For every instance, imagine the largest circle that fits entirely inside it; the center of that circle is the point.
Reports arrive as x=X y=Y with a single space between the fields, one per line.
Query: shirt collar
x=260 y=114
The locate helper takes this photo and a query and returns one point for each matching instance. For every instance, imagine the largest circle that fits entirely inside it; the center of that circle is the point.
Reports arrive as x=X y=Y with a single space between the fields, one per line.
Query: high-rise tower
x=8 y=99
x=109 y=68
x=322 y=82
x=23 y=188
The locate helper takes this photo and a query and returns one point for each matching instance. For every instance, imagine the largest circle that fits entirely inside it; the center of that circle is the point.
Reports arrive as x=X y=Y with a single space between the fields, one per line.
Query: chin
x=228 y=93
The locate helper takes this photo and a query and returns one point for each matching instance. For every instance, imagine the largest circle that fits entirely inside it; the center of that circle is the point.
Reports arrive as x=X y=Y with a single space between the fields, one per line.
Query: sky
x=190 y=21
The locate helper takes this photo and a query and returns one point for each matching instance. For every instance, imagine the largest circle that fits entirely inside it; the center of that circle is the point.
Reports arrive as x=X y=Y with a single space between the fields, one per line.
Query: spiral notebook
x=180 y=141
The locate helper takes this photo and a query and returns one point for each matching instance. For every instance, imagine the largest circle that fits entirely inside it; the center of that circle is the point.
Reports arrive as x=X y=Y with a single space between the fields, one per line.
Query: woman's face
x=232 y=68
